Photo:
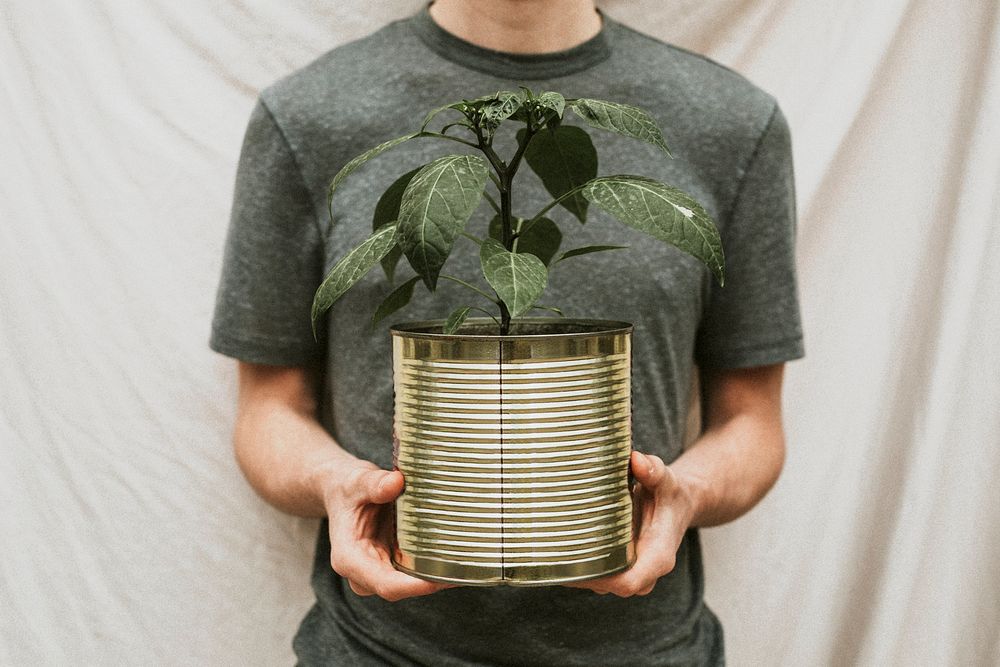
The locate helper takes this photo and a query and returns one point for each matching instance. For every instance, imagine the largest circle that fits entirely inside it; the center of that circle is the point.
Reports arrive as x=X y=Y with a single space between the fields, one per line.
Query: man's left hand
x=664 y=508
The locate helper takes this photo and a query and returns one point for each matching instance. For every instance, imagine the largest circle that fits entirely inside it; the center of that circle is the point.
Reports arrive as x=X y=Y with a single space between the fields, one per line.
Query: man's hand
x=663 y=509
x=719 y=478
x=294 y=464
x=357 y=504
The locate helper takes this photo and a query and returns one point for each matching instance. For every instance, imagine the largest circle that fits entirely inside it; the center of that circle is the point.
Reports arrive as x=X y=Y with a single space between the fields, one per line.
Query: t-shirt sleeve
x=755 y=320
x=273 y=257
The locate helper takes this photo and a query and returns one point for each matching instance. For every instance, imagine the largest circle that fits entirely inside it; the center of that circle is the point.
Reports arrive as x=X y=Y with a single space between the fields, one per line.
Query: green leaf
x=386 y=212
x=518 y=279
x=356 y=162
x=456 y=319
x=624 y=119
x=489 y=248
x=551 y=309
x=663 y=212
x=500 y=109
x=390 y=261
x=564 y=159
x=351 y=269
x=553 y=101
x=545 y=109
x=387 y=208
x=587 y=249
x=398 y=298
x=434 y=209
x=542 y=239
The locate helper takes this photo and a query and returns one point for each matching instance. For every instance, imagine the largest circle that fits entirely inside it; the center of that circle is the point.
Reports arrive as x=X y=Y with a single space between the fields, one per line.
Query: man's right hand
x=358 y=504
x=294 y=464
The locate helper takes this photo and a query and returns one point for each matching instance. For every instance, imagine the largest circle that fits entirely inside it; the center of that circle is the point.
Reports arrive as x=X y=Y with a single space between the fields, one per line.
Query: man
x=313 y=434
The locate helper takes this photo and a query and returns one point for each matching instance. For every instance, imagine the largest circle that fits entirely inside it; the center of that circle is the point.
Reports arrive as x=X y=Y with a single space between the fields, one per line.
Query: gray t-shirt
x=733 y=155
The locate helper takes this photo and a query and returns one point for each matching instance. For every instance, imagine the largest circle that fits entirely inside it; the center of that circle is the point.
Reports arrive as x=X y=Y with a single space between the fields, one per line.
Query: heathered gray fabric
x=732 y=148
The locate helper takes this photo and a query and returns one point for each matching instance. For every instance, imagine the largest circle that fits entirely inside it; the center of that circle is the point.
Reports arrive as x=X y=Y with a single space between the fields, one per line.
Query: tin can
x=514 y=450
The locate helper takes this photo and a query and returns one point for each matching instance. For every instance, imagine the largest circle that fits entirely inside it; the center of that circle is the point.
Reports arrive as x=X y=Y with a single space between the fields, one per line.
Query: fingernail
x=648 y=462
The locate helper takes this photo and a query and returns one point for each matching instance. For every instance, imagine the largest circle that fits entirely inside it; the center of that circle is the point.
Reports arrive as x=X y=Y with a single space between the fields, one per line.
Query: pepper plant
x=424 y=211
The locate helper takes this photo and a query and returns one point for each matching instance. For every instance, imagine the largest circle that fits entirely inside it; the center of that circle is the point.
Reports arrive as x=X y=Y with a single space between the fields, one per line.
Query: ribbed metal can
x=514 y=451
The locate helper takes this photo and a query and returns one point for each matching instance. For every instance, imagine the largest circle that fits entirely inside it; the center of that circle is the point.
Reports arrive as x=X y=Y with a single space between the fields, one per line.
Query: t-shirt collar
x=512 y=65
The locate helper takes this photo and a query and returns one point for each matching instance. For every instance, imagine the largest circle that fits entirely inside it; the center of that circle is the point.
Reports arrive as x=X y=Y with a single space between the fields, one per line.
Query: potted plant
x=512 y=432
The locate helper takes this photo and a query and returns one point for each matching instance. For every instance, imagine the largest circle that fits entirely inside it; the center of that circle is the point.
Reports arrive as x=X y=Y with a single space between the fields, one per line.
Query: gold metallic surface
x=515 y=451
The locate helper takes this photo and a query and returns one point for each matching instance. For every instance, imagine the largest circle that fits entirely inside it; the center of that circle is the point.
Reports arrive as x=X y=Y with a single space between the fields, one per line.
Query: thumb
x=381 y=486
x=648 y=469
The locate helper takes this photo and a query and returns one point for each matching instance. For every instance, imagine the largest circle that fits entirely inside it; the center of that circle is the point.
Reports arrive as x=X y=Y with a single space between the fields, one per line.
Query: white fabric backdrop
x=128 y=535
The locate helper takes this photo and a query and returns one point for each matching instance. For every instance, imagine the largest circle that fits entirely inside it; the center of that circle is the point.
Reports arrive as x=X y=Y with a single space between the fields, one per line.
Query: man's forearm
x=730 y=468
x=282 y=449
x=289 y=458
x=740 y=454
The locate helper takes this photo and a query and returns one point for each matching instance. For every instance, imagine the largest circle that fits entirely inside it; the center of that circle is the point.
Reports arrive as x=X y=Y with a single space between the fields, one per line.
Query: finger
x=393 y=585
x=655 y=557
x=628 y=583
x=595 y=585
x=624 y=584
x=379 y=486
x=655 y=548
x=360 y=590
x=370 y=575
x=648 y=469
x=399 y=585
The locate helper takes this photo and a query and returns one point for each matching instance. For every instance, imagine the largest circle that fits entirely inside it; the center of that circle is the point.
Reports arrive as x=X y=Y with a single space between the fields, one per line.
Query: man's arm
x=294 y=464
x=741 y=451
x=720 y=477
x=283 y=451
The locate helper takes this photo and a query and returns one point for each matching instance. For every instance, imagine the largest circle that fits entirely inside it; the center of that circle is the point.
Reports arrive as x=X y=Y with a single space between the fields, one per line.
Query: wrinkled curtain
x=127 y=532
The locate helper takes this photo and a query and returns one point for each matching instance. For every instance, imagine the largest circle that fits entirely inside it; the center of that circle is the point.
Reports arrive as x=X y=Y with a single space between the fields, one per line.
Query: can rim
x=431 y=329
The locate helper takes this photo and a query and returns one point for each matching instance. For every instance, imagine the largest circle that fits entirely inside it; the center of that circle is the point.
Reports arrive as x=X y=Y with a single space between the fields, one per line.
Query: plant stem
x=487 y=313
x=517 y=233
x=465 y=124
x=491 y=200
x=491 y=155
x=504 y=180
x=515 y=161
x=438 y=135
x=473 y=238
x=508 y=242
x=506 y=218
x=551 y=204
x=471 y=287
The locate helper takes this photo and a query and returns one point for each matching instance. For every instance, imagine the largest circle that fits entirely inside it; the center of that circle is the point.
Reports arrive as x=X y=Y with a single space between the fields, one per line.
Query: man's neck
x=519 y=26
